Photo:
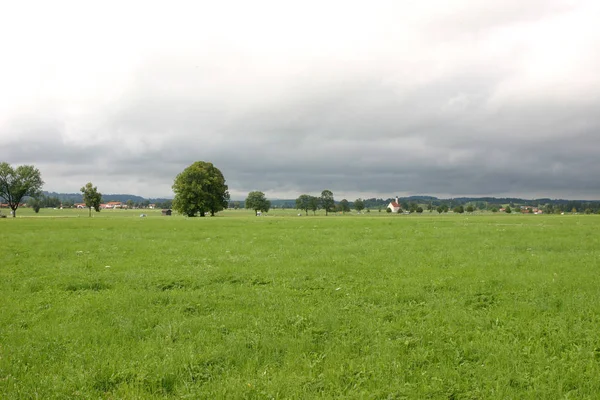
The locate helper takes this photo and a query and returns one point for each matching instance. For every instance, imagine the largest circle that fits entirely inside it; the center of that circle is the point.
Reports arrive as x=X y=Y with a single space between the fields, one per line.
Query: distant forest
x=431 y=203
x=53 y=199
x=410 y=203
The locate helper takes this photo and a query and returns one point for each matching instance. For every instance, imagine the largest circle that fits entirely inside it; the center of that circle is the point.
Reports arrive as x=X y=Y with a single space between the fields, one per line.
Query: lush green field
x=360 y=306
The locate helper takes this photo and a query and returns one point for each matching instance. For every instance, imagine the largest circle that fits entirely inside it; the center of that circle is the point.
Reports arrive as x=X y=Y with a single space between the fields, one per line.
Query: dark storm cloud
x=471 y=100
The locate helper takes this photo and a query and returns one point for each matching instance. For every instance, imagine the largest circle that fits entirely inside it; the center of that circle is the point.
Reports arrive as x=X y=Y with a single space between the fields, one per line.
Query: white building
x=395 y=206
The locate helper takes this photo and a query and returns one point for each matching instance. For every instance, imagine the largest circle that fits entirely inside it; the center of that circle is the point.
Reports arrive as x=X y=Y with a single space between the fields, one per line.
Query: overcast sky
x=371 y=99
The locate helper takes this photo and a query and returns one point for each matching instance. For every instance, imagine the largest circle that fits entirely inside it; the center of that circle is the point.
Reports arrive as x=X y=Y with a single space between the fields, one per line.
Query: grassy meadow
x=357 y=306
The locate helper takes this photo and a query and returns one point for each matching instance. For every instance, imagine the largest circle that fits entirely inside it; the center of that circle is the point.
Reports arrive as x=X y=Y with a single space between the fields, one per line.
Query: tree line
x=200 y=189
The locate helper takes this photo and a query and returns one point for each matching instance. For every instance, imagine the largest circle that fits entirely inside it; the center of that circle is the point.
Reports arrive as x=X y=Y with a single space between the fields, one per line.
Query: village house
x=395 y=206
x=114 y=204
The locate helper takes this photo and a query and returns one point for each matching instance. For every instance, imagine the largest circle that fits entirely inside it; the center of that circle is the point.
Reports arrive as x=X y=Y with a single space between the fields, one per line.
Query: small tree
x=313 y=204
x=459 y=209
x=470 y=208
x=91 y=197
x=256 y=201
x=303 y=203
x=507 y=210
x=420 y=209
x=359 y=204
x=17 y=183
x=327 y=201
x=34 y=203
x=344 y=206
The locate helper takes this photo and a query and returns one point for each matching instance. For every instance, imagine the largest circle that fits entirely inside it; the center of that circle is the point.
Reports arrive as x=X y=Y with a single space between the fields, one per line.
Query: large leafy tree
x=303 y=203
x=91 y=197
x=327 y=201
x=199 y=189
x=17 y=183
x=257 y=201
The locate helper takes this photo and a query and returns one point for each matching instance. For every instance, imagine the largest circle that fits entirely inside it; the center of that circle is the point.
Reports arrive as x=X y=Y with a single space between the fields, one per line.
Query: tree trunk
x=256 y=213
x=90 y=211
x=14 y=212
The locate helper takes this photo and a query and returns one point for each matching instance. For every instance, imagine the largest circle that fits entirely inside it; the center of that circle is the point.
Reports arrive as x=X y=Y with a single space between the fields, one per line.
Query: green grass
x=360 y=306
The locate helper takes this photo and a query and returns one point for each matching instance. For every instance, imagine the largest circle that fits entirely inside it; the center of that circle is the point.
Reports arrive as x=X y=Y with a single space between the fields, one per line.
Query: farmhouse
x=114 y=204
x=395 y=206
x=166 y=212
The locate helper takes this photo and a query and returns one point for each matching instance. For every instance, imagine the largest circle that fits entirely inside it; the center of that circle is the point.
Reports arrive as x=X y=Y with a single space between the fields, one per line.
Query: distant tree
x=129 y=204
x=257 y=201
x=518 y=209
x=35 y=204
x=470 y=208
x=50 y=201
x=303 y=203
x=236 y=205
x=199 y=189
x=91 y=197
x=507 y=210
x=459 y=209
x=439 y=209
x=359 y=204
x=17 y=183
x=412 y=207
x=327 y=201
x=314 y=203
x=166 y=204
x=344 y=206
x=420 y=209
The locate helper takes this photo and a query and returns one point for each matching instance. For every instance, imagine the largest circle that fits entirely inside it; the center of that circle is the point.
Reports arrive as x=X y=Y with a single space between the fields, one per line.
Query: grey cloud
x=465 y=128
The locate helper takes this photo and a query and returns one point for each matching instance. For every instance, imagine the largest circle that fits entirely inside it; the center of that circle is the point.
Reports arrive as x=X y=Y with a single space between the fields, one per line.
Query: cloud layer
x=390 y=98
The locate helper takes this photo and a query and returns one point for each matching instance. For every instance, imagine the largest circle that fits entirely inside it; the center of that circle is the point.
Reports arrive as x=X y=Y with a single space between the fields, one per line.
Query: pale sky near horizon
x=367 y=99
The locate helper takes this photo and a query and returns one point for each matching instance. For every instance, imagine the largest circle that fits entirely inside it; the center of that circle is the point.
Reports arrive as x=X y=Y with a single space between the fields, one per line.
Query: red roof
x=394 y=204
